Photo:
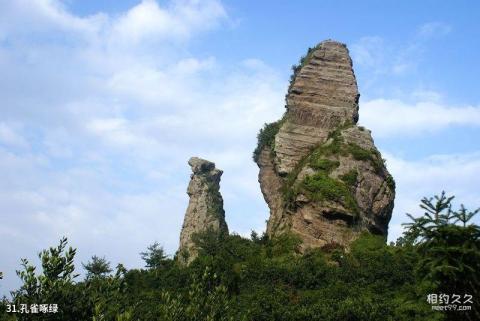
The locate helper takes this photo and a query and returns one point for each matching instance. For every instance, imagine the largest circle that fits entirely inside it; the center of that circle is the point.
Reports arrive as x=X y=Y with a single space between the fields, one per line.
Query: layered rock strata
x=321 y=174
x=205 y=208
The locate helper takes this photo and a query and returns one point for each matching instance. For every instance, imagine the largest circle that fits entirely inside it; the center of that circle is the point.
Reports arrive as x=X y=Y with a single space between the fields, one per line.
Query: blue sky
x=103 y=102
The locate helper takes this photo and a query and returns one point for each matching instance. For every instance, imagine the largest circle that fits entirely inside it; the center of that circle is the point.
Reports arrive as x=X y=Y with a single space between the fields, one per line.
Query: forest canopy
x=262 y=279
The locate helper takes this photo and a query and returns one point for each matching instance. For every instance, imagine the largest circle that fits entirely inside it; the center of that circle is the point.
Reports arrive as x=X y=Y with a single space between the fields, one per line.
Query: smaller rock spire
x=205 y=208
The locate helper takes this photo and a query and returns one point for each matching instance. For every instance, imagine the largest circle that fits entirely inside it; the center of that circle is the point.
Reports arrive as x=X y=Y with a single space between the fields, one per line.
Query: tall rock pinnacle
x=205 y=208
x=320 y=173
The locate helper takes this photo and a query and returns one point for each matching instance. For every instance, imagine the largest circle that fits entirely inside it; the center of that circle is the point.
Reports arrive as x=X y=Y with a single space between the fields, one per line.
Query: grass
x=336 y=146
x=359 y=153
x=391 y=182
x=289 y=189
x=321 y=187
x=214 y=201
x=323 y=164
x=296 y=68
x=350 y=178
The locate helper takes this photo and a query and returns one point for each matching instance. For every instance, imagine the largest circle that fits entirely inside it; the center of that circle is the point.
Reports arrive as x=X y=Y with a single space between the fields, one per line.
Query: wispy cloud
x=428 y=176
x=434 y=29
x=382 y=58
x=146 y=21
x=10 y=136
x=370 y=52
x=392 y=117
x=100 y=115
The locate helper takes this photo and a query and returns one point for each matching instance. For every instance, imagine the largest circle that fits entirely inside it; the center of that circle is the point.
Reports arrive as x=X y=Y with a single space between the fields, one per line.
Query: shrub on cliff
x=266 y=137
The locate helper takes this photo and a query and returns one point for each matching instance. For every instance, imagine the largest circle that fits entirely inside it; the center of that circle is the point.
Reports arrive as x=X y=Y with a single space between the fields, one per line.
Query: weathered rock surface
x=320 y=173
x=205 y=208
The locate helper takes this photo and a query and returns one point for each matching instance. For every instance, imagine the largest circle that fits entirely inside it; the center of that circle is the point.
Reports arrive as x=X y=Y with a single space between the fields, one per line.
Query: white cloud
x=390 y=117
x=434 y=29
x=369 y=52
x=379 y=57
x=427 y=95
x=58 y=143
x=24 y=17
x=10 y=136
x=425 y=177
x=144 y=22
x=148 y=21
x=114 y=107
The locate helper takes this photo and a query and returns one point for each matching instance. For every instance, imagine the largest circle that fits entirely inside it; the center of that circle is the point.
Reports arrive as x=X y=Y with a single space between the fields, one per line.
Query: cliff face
x=205 y=208
x=320 y=173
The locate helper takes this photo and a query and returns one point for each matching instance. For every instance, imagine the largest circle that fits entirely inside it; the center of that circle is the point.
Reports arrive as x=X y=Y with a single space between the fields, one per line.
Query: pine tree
x=154 y=257
x=450 y=253
x=98 y=267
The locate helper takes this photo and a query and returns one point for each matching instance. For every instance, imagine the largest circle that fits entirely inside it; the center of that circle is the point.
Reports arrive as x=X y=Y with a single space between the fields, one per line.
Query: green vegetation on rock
x=214 y=200
x=359 y=153
x=390 y=182
x=350 y=178
x=323 y=164
x=266 y=137
x=302 y=62
x=336 y=146
x=289 y=188
x=321 y=187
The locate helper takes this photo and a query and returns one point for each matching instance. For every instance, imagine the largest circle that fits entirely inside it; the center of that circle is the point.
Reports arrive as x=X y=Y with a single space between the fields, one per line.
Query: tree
x=107 y=296
x=58 y=268
x=97 y=267
x=449 y=252
x=206 y=300
x=54 y=285
x=154 y=257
